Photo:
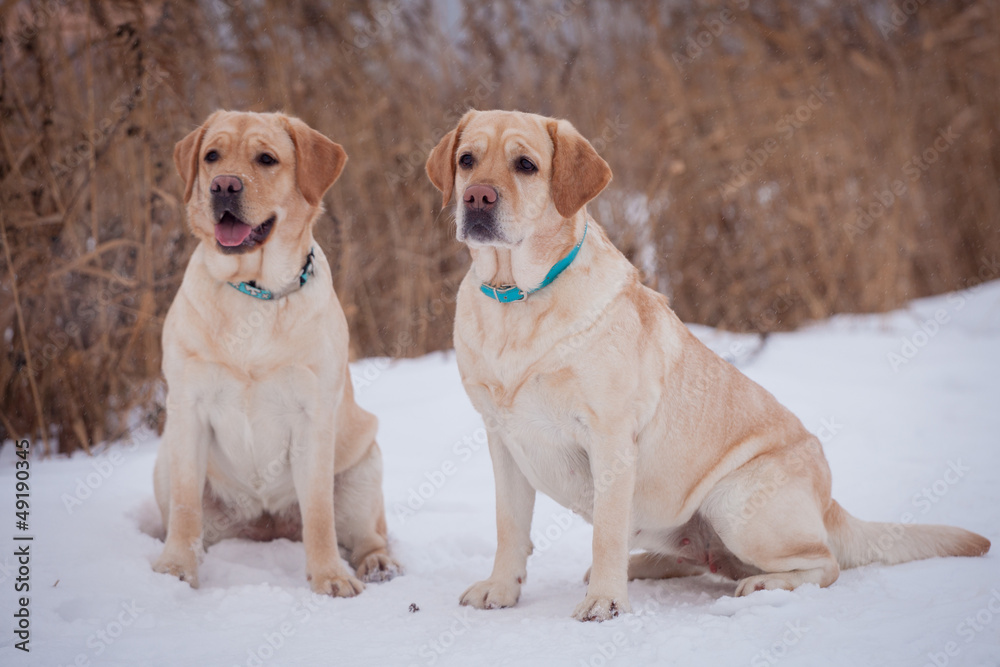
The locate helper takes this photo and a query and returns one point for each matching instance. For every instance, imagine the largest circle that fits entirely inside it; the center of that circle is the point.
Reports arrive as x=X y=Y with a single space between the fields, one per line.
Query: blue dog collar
x=250 y=288
x=511 y=293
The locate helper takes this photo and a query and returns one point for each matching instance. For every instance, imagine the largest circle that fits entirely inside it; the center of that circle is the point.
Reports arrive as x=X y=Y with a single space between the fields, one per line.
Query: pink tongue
x=231 y=232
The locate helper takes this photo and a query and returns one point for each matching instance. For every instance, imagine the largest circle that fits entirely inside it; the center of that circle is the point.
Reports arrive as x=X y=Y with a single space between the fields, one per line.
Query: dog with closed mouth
x=263 y=438
x=594 y=393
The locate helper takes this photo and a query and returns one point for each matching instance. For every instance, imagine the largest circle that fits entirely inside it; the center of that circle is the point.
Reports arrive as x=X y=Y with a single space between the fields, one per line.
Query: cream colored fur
x=594 y=393
x=263 y=438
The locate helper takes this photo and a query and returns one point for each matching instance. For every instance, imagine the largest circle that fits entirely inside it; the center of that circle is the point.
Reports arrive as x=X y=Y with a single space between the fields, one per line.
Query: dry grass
x=819 y=108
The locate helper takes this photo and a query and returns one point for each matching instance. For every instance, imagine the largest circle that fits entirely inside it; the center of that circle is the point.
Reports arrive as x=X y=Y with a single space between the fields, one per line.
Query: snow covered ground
x=917 y=433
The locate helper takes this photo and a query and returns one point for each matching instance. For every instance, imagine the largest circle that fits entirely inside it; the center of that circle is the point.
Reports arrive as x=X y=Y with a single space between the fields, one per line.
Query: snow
x=917 y=438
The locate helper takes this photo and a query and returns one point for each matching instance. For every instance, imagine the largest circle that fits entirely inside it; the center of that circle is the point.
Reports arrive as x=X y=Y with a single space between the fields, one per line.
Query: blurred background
x=775 y=162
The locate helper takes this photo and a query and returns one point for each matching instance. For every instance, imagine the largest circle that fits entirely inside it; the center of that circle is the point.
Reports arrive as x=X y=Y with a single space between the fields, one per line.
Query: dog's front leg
x=185 y=438
x=515 y=505
x=613 y=467
x=312 y=460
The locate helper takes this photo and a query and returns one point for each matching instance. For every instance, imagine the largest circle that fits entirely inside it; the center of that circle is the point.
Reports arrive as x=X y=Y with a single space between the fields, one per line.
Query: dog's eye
x=211 y=156
x=466 y=160
x=526 y=165
x=267 y=159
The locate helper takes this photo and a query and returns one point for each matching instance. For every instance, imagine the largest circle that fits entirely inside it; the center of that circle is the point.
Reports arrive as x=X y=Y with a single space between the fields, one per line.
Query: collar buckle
x=503 y=293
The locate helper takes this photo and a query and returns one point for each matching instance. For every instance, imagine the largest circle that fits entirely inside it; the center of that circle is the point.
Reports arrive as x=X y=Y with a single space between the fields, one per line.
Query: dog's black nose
x=480 y=197
x=226 y=185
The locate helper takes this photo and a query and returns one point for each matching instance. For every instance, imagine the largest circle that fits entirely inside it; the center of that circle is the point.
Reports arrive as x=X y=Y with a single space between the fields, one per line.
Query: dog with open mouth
x=263 y=438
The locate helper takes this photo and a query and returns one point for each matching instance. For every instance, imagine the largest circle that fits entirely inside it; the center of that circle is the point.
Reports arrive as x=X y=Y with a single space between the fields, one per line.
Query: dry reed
x=756 y=149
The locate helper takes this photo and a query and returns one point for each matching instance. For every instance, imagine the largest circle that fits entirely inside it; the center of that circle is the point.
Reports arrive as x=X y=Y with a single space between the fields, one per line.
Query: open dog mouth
x=235 y=236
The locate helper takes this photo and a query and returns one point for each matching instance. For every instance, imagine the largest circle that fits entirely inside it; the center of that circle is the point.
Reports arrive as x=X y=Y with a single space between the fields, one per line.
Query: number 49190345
x=22 y=474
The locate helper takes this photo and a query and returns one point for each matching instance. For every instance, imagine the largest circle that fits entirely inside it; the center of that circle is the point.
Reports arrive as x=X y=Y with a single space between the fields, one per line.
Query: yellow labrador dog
x=594 y=393
x=263 y=438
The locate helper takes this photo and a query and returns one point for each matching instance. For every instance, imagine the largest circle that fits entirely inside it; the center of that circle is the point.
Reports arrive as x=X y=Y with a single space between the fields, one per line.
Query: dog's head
x=251 y=177
x=514 y=174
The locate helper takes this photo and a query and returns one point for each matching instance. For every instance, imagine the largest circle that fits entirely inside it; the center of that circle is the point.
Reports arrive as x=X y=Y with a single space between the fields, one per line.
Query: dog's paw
x=339 y=584
x=765 y=582
x=378 y=567
x=182 y=566
x=492 y=594
x=599 y=608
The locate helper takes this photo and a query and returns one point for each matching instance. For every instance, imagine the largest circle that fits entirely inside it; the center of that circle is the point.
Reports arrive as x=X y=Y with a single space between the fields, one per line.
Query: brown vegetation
x=755 y=148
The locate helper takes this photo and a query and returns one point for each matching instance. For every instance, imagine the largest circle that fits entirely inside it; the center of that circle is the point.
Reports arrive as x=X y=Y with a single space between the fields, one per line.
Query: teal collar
x=510 y=293
x=250 y=288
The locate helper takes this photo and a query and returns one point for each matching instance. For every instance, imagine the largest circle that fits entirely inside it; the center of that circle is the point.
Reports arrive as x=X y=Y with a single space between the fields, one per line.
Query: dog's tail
x=855 y=542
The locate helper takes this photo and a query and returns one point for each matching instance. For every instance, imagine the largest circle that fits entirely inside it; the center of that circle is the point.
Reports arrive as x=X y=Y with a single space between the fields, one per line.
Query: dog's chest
x=547 y=431
x=257 y=426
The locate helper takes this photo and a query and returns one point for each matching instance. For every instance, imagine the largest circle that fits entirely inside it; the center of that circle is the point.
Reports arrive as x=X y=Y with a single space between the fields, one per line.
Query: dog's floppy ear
x=578 y=172
x=186 y=154
x=318 y=160
x=441 y=163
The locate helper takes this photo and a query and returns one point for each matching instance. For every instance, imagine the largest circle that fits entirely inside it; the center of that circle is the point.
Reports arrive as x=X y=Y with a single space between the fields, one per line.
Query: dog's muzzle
x=478 y=217
x=233 y=234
